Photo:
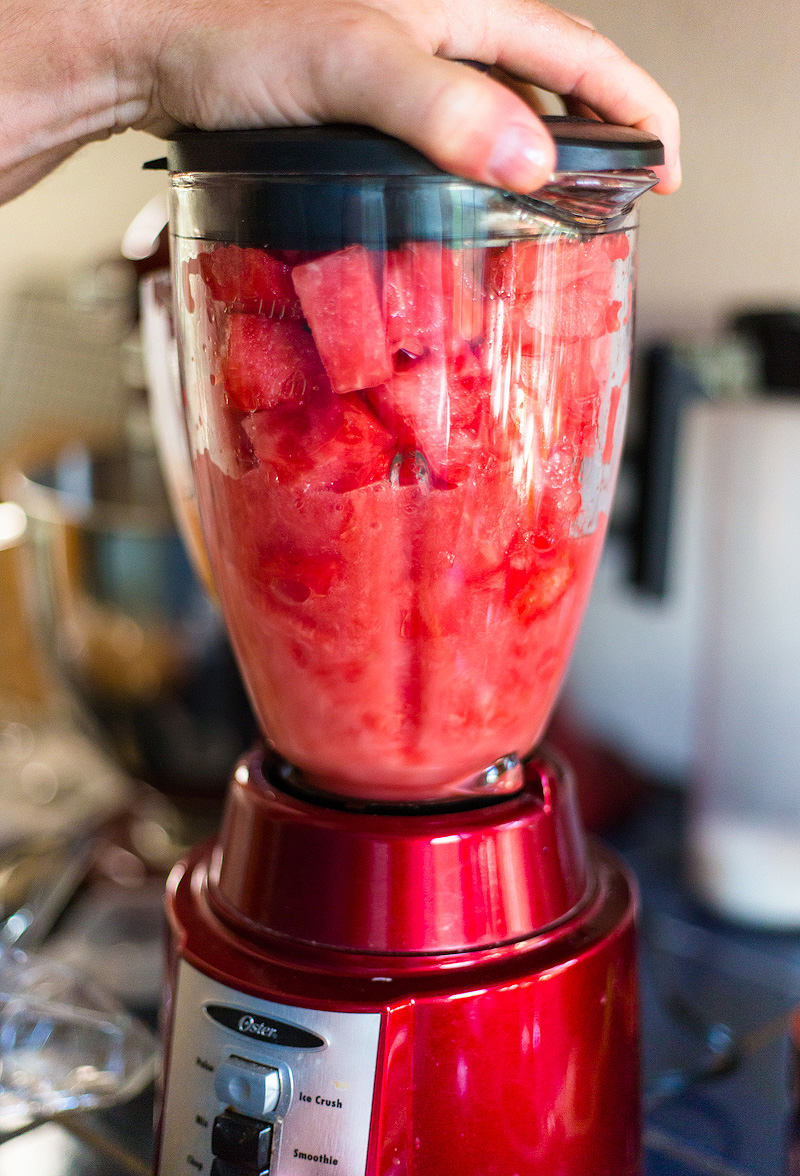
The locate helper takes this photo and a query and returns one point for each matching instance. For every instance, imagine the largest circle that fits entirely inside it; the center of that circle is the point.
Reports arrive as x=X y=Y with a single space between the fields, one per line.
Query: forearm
x=64 y=80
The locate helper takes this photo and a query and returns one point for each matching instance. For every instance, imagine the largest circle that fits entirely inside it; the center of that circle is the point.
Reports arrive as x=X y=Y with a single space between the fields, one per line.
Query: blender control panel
x=256 y=1088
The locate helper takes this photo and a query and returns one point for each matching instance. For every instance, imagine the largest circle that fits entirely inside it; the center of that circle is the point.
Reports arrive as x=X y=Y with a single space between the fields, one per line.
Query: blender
x=405 y=396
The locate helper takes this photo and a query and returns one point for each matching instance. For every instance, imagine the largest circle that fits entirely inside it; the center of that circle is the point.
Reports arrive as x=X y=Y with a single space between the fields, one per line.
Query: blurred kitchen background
x=686 y=679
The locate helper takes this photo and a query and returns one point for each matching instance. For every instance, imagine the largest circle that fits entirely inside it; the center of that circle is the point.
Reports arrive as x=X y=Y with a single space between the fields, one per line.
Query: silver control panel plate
x=327 y=1065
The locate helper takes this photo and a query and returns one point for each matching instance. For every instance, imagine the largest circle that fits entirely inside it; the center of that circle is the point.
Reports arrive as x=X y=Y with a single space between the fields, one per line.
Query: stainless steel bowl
x=125 y=618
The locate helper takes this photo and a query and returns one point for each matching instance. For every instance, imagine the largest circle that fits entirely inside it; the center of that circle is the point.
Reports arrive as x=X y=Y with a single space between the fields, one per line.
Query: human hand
x=391 y=64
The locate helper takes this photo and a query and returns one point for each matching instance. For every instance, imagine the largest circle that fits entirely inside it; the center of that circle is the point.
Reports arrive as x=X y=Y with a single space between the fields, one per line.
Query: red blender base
x=382 y=994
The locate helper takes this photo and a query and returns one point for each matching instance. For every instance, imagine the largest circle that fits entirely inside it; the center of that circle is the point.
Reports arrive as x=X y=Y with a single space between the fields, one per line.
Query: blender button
x=220 y=1168
x=239 y=1139
x=249 y=1087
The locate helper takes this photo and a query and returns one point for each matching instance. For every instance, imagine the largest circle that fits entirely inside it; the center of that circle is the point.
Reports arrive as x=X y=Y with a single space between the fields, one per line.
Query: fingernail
x=520 y=160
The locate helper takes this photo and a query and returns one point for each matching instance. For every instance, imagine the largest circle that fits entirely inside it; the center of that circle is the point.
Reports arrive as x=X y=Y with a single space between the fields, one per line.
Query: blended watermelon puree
x=404 y=462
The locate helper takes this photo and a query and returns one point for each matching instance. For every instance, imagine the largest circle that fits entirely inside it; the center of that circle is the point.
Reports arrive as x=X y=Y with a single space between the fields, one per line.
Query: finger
x=531 y=95
x=572 y=59
x=580 y=19
x=579 y=109
x=462 y=119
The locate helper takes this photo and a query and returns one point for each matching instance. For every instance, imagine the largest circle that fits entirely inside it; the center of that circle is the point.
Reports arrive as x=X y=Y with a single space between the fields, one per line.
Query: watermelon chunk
x=434 y=297
x=339 y=298
x=268 y=361
x=558 y=506
x=558 y=289
x=435 y=404
x=358 y=454
x=612 y=320
x=293 y=576
x=324 y=441
x=415 y=300
x=534 y=590
x=579 y=392
x=430 y=412
x=611 y=423
x=471 y=527
x=414 y=402
x=250 y=279
x=470 y=385
x=515 y=271
x=287 y=437
x=616 y=245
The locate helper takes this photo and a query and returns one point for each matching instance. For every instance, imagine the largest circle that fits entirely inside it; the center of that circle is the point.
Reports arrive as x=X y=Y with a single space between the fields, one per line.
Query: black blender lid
x=583 y=145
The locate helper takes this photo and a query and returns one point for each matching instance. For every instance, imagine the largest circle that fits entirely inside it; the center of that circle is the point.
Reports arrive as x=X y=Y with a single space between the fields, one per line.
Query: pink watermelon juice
x=403 y=462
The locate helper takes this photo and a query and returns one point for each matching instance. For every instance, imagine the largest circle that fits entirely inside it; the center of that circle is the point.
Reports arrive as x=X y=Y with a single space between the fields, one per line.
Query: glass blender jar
x=405 y=397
